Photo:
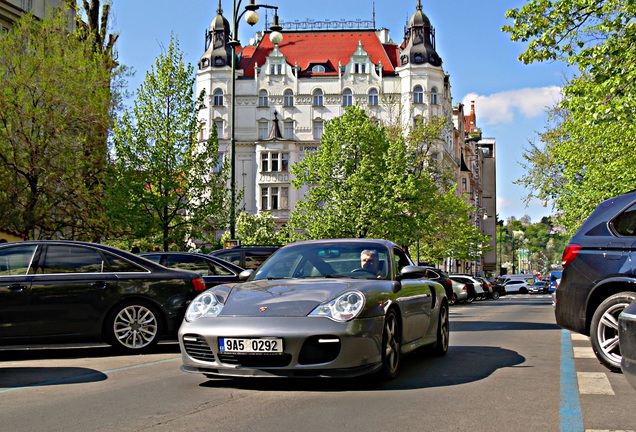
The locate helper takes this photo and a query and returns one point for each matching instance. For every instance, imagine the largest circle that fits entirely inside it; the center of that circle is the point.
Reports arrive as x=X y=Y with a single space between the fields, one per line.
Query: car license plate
x=251 y=346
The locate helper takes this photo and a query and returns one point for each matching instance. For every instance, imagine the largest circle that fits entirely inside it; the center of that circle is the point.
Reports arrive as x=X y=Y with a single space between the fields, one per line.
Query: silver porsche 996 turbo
x=321 y=308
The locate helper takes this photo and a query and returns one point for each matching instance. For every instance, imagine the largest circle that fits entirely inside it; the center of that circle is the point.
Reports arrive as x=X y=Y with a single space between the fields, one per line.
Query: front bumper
x=313 y=347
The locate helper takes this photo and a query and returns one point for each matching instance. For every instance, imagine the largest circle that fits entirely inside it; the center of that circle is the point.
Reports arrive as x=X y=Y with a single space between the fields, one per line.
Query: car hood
x=285 y=297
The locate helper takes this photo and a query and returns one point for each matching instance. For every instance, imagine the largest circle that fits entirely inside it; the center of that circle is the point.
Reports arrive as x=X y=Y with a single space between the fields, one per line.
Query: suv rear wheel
x=604 y=329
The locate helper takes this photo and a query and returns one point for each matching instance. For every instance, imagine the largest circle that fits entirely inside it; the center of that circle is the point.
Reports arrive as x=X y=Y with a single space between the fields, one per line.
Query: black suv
x=247 y=257
x=599 y=279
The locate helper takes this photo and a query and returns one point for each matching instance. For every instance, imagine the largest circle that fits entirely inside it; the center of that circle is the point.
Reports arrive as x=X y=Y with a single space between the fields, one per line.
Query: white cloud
x=502 y=107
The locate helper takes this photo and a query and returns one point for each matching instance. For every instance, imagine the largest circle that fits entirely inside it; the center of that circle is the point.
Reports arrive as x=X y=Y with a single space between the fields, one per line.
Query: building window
x=464 y=187
x=26 y=5
x=288 y=130
x=274 y=162
x=263 y=98
x=219 y=163
x=288 y=98
x=360 y=68
x=217 y=99
x=263 y=130
x=418 y=95
x=318 y=98
x=373 y=97
x=317 y=129
x=433 y=96
x=318 y=68
x=276 y=69
x=219 y=128
x=274 y=198
x=347 y=98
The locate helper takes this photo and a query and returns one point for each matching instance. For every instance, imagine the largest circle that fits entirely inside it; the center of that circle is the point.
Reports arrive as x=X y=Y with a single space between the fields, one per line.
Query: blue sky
x=510 y=97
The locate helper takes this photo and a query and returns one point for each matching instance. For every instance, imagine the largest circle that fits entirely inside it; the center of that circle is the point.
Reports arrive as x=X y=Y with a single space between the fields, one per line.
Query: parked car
x=489 y=290
x=539 y=287
x=312 y=310
x=627 y=336
x=598 y=280
x=247 y=257
x=214 y=270
x=441 y=276
x=516 y=286
x=475 y=291
x=66 y=291
x=460 y=293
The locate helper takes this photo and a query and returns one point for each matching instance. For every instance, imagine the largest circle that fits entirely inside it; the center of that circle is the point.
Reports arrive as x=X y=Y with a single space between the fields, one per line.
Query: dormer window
x=318 y=68
x=276 y=69
x=360 y=68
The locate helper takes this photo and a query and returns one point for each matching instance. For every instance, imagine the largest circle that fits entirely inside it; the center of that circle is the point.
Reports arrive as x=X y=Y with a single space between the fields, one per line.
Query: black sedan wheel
x=494 y=295
x=604 y=329
x=443 y=332
x=390 y=346
x=133 y=326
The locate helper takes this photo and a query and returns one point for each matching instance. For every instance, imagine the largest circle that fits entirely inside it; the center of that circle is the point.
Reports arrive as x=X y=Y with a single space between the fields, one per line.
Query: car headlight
x=343 y=308
x=205 y=305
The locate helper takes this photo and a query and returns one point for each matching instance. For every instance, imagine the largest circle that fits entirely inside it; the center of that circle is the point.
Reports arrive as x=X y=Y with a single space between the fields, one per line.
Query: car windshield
x=326 y=260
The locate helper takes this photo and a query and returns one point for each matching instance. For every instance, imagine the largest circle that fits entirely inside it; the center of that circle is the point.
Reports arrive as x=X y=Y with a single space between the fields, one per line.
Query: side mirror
x=412 y=272
x=245 y=274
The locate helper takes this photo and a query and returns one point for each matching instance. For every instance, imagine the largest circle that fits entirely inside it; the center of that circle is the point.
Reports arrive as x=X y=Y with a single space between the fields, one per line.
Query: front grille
x=256 y=360
x=319 y=349
x=197 y=348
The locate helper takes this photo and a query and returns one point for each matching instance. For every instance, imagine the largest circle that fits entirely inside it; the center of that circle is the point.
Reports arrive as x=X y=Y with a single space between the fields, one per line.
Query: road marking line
x=594 y=383
x=570 y=415
x=583 y=352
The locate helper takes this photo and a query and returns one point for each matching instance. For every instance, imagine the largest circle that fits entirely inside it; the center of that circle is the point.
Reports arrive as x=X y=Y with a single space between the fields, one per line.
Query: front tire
x=495 y=295
x=604 y=329
x=134 y=326
x=391 y=355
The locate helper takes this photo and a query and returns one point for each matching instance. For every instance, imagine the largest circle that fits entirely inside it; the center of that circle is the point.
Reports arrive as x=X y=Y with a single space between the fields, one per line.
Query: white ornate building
x=285 y=92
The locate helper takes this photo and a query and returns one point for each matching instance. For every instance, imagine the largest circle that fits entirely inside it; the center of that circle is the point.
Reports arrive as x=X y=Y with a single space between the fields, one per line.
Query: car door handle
x=100 y=284
x=17 y=288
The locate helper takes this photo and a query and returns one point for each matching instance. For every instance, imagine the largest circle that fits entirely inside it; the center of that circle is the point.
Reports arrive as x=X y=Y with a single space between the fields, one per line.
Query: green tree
x=589 y=150
x=258 y=229
x=53 y=97
x=165 y=183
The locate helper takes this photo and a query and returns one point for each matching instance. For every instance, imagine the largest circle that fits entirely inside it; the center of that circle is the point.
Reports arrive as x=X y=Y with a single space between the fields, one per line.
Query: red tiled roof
x=322 y=47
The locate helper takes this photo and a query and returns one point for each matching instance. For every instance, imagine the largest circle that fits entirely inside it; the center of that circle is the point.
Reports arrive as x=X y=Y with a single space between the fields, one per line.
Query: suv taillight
x=199 y=284
x=570 y=253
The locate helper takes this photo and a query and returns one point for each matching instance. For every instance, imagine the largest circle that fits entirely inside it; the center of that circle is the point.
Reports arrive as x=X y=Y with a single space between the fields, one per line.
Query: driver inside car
x=370 y=262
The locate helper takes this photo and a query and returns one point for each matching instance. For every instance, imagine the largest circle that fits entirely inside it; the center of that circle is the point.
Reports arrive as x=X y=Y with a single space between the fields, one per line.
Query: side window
x=401 y=260
x=625 y=223
x=233 y=257
x=16 y=260
x=219 y=270
x=120 y=265
x=254 y=259
x=191 y=263
x=71 y=259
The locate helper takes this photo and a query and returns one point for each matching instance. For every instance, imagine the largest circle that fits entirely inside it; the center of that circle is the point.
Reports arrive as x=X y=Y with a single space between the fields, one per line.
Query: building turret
x=218 y=51
x=419 y=40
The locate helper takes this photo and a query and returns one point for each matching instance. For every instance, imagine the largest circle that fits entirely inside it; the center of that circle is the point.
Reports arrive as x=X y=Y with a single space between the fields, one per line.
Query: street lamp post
x=251 y=17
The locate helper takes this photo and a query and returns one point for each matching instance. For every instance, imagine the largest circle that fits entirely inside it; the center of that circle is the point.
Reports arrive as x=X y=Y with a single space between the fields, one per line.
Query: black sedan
x=214 y=270
x=66 y=291
x=322 y=308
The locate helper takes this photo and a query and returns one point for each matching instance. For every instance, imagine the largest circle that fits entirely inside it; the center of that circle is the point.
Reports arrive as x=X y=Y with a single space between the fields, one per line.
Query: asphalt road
x=509 y=367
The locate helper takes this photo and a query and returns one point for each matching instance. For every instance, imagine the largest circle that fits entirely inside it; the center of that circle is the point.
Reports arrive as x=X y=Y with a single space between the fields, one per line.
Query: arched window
x=288 y=98
x=318 y=68
x=373 y=97
x=433 y=96
x=418 y=95
x=347 y=98
x=318 y=97
x=217 y=99
x=263 y=98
